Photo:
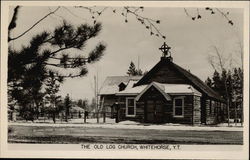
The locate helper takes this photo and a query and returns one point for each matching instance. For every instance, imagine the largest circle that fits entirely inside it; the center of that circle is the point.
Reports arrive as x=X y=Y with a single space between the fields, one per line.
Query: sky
x=190 y=41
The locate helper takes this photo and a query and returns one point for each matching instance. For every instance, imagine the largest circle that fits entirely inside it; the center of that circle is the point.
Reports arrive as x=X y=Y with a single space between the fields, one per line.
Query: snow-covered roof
x=186 y=75
x=178 y=88
x=132 y=91
x=158 y=87
x=76 y=109
x=110 y=85
x=166 y=88
x=131 y=83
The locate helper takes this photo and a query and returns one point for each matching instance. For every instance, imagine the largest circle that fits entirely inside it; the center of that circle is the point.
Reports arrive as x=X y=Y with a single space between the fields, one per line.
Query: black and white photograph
x=125 y=80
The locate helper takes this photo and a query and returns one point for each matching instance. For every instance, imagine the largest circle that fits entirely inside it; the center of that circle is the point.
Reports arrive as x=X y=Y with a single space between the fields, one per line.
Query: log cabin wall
x=203 y=109
x=139 y=116
x=196 y=110
x=166 y=75
x=188 y=111
x=191 y=115
x=214 y=111
x=108 y=105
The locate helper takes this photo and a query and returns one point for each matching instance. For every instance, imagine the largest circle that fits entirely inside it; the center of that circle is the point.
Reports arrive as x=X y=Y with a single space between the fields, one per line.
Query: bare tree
x=218 y=63
x=96 y=12
x=197 y=15
x=221 y=63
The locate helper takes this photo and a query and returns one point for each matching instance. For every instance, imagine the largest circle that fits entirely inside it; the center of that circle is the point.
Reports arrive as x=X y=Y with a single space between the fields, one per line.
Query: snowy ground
x=119 y=134
x=110 y=123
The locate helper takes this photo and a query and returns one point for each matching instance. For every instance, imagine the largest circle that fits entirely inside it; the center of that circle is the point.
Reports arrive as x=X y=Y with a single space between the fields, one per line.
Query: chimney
x=121 y=86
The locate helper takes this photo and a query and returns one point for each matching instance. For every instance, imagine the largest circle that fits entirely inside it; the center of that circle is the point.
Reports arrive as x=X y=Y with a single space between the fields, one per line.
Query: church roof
x=166 y=88
x=199 y=83
x=111 y=84
x=189 y=77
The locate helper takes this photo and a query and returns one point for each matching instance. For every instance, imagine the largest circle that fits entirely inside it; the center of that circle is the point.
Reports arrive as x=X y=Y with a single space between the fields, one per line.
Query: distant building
x=166 y=94
x=76 y=112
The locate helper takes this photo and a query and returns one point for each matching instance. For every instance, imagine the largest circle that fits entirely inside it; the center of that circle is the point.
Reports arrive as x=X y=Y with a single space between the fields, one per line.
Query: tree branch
x=12 y=24
x=11 y=39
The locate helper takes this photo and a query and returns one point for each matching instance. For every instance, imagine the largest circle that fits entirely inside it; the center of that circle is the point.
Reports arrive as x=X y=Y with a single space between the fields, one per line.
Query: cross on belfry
x=165 y=49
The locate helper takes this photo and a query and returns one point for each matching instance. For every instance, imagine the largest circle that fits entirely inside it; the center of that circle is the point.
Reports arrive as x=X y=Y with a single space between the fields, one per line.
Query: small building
x=166 y=94
x=111 y=86
x=76 y=112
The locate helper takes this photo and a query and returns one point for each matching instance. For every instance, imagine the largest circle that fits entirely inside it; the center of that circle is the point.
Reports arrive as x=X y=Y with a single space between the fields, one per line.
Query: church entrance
x=155 y=103
x=154 y=111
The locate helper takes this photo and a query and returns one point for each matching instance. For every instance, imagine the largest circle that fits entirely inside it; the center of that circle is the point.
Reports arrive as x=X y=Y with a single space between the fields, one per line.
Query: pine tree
x=224 y=85
x=237 y=93
x=67 y=105
x=132 y=71
x=52 y=88
x=209 y=82
x=139 y=72
x=29 y=67
x=229 y=85
x=216 y=85
x=26 y=90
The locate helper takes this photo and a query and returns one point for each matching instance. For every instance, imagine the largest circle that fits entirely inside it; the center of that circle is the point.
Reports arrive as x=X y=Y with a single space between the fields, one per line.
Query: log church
x=166 y=94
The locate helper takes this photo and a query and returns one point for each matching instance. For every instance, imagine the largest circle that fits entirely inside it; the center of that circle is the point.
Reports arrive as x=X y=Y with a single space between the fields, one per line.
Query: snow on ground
x=129 y=122
x=130 y=125
x=71 y=121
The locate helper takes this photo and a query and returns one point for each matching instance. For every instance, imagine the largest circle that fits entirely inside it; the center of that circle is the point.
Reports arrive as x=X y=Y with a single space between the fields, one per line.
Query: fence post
x=117 y=114
x=104 y=117
x=85 y=116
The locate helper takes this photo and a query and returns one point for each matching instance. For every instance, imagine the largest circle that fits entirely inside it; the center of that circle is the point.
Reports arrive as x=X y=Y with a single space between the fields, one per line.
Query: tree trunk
x=67 y=115
x=85 y=117
x=97 y=116
x=37 y=111
x=11 y=115
x=228 y=113
x=54 y=117
x=242 y=113
x=228 y=108
x=235 y=114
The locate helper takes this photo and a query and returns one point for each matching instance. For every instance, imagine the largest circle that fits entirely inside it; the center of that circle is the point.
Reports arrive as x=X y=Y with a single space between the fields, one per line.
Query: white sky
x=190 y=40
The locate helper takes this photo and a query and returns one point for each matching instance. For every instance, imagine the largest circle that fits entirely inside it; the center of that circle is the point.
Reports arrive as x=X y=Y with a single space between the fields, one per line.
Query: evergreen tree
x=29 y=67
x=27 y=92
x=67 y=105
x=139 y=72
x=223 y=88
x=230 y=86
x=82 y=103
x=132 y=71
x=216 y=85
x=52 y=88
x=209 y=82
x=237 y=94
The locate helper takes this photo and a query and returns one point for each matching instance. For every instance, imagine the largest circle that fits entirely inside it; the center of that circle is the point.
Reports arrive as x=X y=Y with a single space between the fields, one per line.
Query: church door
x=154 y=111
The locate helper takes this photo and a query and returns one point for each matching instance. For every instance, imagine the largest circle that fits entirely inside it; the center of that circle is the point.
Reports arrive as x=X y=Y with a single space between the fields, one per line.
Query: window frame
x=183 y=101
x=130 y=115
